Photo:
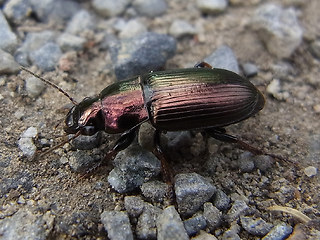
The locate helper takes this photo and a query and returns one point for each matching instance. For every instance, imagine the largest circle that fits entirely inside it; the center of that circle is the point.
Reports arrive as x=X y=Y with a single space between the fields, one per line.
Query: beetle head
x=85 y=117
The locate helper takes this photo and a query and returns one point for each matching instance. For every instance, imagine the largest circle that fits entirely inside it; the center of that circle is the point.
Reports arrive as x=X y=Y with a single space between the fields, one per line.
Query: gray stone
x=315 y=48
x=279 y=232
x=146 y=136
x=223 y=57
x=7 y=63
x=180 y=28
x=250 y=69
x=278 y=28
x=133 y=167
x=117 y=224
x=310 y=171
x=25 y=224
x=110 y=8
x=132 y=28
x=17 y=10
x=257 y=227
x=221 y=200
x=25 y=143
x=146 y=225
x=47 y=56
x=212 y=6
x=263 y=162
x=80 y=22
x=87 y=142
x=80 y=161
x=34 y=86
x=204 y=236
x=194 y=224
x=69 y=42
x=170 y=226
x=239 y=208
x=146 y=52
x=9 y=40
x=154 y=191
x=212 y=215
x=232 y=233
x=192 y=190
x=36 y=40
x=245 y=162
x=151 y=8
x=134 y=205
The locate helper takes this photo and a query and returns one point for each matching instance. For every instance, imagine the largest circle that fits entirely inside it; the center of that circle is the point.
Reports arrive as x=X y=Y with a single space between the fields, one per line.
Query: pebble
x=132 y=28
x=263 y=162
x=133 y=167
x=238 y=208
x=110 y=8
x=34 y=86
x=134 y=205
x=26 y=224
x=223 y=57
x=25 y=143
x=204 y=236
x=69 y=42
x=170 y=226
x=315 y=48
x=17 y=10
x=279 y=232
x=87 y=142
x=146 y=52
x=21 y=179
x=250 y=69
x=7 y=63
x=310 y=171
x=245 y=162
x=155 y=191
x=232 y=232
x=278 y=28
x=117 y=224
x=212 y=6
x=212 y=215
x=257 y=227
x=150 y=8
x=194 y=224
x=221 y=200
x=274 y=88
x=180 y=28
x=145 y=136
x=80 y=161
x=146 y=226
x=46 y=57
x=80 y=22
x=192 y=190
x=9 y=40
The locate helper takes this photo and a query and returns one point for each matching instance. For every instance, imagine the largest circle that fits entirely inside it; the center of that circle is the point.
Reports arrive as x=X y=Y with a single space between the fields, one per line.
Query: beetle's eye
x=69 y=121
x=88 y=130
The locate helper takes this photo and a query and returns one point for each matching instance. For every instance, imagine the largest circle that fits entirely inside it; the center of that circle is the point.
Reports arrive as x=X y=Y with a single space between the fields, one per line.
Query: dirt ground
x=289 y=128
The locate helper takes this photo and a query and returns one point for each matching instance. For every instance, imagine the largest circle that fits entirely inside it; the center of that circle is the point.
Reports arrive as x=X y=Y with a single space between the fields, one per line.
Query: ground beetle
x=202 y=97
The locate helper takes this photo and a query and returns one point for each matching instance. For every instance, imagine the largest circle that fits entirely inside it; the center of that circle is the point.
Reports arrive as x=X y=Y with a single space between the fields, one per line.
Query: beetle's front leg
x=220 y=134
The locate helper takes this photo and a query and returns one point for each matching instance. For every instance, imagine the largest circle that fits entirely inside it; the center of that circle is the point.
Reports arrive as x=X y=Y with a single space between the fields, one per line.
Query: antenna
x=50 y=84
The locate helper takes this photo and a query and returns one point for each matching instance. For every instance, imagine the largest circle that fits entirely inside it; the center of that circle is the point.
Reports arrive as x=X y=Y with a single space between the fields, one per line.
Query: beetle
x=203 y=98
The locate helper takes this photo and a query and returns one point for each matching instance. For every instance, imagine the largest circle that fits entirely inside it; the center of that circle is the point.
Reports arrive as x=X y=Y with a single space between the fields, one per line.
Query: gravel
x=257 y=227
x=279 y=232
x=109 y=8
x=194 y=224
x=7 y=63
x=151 y=8
x=212 y=6
x=9 y=40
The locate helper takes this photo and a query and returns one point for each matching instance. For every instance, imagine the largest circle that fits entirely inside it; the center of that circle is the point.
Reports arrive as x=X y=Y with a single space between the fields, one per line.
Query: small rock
x=150 y=8
x=133 y=167
x=68 y=61
x=47 y=56
x=239 y=207
x=25 y=224
x=274 y=88
x=134 y=205
x=26 y=144
x=212 y=215
x=316 y=108
x=232 y=232
x=221 y=200
x=31 y=132
x=250 y=69
x=34 y=86
x=204 y=236
x=310 y=171
x=263 y=162
x=80 y=22
x=146 y=136
x=117 y=224
x=110 y=8
x=7 y=63
x=69 y=42
x=146 y=225
x=146 y=52
x=192 y=190
x=257 y=227
x=9 y=40
x=245 y=162
x=279 y=232
x=194 y=224
x=154 y=191
x=132 y=28
x=315 y=48
x=278 y=28
x=180 y=28
x=80 y=161
x=282 y=69
x=17 y=10
x=224 y=58
x=170 y=226
x=87 y=142
x=212 y=6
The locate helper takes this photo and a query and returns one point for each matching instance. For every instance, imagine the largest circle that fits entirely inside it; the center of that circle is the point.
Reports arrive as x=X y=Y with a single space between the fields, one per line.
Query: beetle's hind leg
x=221 y=135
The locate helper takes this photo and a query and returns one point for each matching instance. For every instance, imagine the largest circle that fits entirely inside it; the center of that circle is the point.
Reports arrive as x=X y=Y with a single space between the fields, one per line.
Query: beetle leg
x=203 y=65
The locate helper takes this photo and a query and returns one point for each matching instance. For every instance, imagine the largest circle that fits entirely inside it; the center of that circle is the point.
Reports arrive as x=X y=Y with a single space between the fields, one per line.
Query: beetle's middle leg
x=220 y=134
